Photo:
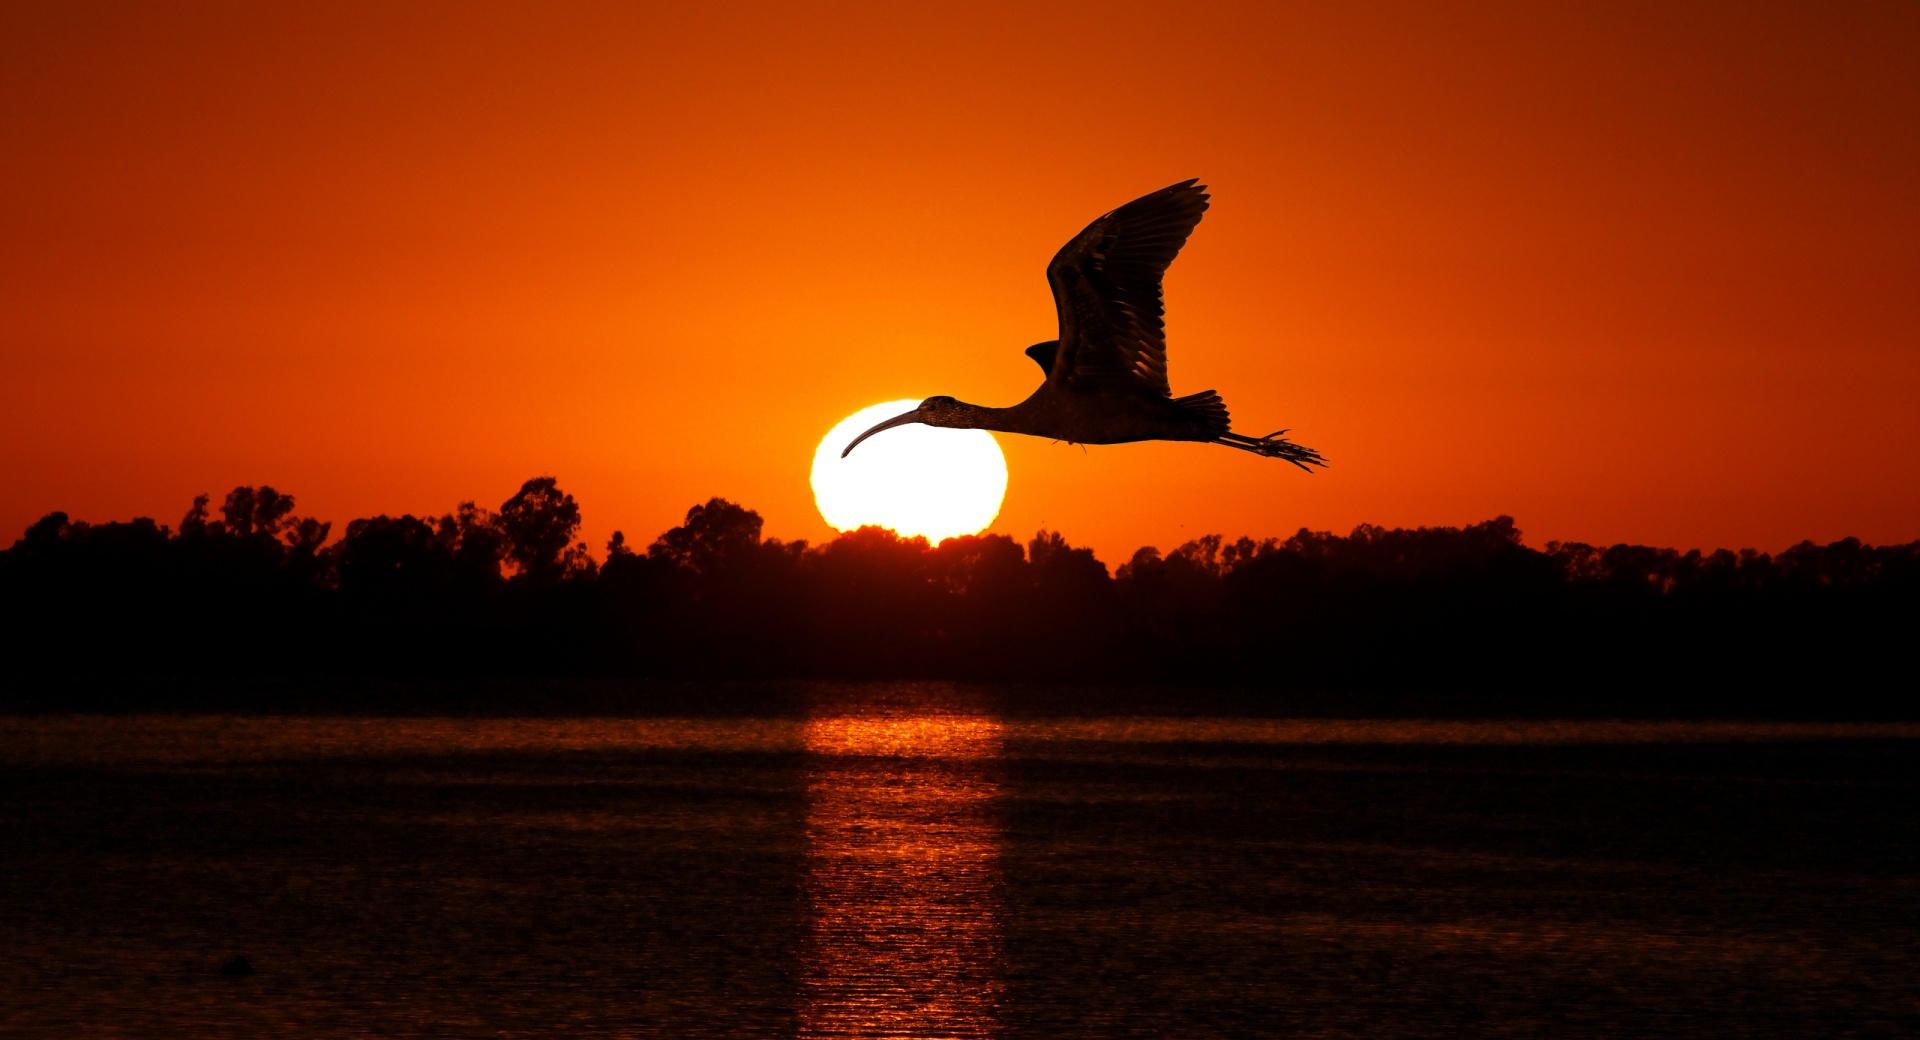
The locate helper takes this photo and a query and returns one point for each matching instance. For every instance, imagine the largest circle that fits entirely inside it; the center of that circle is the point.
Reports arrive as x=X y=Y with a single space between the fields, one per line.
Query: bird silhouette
x=1106 y=376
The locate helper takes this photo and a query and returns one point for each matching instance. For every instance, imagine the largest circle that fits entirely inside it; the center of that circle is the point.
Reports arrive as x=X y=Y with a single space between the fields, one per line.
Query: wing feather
x=1106 y=288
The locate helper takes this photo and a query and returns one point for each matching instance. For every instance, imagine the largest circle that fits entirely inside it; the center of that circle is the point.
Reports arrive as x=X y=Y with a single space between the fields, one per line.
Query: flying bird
x=1106 y=376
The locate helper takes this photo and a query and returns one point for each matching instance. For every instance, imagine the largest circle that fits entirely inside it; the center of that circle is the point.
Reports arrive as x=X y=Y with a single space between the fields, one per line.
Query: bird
x=1106 y=375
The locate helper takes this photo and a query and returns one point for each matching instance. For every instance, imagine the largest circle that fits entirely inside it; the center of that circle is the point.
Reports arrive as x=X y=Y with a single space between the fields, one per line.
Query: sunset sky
x=1625 y=273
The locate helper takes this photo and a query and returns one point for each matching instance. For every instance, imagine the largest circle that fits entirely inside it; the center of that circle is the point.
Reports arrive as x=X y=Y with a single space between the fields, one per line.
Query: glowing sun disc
x=914 y=479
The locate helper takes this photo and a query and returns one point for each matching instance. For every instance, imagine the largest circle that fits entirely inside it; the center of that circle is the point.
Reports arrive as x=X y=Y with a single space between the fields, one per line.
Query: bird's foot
x=1276 y=446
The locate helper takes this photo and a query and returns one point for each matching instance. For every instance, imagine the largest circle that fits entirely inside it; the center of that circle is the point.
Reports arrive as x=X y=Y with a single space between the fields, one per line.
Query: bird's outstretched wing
x=1106 y=286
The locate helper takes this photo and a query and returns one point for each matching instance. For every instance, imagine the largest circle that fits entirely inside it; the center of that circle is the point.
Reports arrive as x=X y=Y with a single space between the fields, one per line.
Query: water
x=920 y=863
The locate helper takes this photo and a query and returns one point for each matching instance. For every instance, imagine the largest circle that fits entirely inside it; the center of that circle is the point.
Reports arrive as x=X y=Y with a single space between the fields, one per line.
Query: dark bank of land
x=509 y=697
x=250 y=607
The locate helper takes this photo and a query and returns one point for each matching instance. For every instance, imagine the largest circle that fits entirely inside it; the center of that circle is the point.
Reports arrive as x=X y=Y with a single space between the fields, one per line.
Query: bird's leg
x=1274 y=446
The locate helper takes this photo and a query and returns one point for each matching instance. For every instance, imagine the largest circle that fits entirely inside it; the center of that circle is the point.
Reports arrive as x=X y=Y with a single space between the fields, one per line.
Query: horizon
x=513 y=592
x=636 y=541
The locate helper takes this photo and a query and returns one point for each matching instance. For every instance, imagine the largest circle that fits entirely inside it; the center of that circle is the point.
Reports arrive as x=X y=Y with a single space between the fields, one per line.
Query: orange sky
x=1624 y=274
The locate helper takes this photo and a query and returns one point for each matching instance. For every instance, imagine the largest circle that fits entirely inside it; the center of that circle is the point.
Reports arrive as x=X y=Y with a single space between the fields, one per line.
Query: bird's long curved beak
x=898 y=420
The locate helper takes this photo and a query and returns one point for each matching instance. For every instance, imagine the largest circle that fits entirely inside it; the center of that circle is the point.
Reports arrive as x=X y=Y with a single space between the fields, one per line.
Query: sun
x=914 y=479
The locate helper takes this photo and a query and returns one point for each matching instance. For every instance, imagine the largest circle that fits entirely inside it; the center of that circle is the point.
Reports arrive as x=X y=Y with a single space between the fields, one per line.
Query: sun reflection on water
x=903 y=877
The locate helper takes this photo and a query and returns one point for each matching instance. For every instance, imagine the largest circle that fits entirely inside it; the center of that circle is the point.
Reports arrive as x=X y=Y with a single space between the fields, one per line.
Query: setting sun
x=914 y=479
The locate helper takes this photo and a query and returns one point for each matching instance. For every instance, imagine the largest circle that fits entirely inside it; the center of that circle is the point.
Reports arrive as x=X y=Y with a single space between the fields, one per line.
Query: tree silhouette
x=256 y=512
x=1449 y=613
x=715 y=536
x=537 y=526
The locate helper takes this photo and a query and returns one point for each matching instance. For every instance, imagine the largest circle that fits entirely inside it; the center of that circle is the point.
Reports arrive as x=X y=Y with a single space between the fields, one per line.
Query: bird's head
x=934 y=411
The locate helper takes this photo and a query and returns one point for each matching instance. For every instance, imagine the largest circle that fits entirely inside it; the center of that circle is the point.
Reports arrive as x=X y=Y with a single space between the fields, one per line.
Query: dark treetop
x=258 y=591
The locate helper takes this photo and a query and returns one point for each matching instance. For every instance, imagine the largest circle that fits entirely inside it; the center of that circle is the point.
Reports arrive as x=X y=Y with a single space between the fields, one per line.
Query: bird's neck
x=959 y=415
x=1005 y=420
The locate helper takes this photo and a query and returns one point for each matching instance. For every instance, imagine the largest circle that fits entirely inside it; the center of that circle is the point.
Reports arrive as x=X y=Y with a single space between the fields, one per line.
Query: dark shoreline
x=540 y=697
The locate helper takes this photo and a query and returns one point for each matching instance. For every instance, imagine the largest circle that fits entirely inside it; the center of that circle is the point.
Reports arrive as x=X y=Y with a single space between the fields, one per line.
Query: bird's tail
x=1209 y=412
x=1273 y=446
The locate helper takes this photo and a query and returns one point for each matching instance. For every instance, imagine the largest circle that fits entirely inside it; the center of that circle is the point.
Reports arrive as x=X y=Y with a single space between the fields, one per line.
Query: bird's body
x=1106 y=376
x=1095 y=417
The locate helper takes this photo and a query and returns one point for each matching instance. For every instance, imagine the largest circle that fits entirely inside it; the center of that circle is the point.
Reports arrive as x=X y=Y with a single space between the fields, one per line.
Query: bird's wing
x=1106 y=287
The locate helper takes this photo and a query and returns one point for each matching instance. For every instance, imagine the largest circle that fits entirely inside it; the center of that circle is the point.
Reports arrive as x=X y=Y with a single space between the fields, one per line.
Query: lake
x=926 y=860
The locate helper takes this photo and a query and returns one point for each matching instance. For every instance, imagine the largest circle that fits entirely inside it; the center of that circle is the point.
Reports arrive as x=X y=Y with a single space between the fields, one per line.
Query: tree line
x=253 y=590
